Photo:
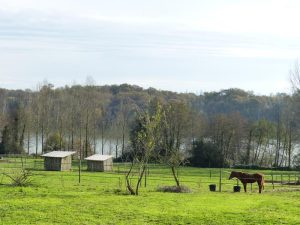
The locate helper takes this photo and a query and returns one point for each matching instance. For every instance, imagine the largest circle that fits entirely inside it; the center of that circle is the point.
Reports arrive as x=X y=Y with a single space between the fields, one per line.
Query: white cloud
x=161 y=34
x=31 y=31
x=269 y=16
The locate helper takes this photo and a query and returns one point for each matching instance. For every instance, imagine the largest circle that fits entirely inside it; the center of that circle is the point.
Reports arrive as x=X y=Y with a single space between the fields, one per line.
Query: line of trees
x=216 y=129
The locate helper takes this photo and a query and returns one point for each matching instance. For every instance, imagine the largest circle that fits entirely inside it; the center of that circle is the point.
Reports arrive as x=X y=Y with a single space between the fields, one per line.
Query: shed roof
x=58 y=154
x=98 y=157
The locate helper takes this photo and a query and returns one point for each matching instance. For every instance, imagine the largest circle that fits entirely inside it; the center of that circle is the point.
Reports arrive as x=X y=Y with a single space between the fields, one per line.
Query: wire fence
x=155 y=175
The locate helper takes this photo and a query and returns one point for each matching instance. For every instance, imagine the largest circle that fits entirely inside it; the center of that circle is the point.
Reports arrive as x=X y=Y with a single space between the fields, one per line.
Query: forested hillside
x=223 y=128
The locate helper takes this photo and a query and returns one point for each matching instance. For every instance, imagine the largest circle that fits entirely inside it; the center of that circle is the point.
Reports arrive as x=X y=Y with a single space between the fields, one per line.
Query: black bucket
x=237 y=188
x=212 y=187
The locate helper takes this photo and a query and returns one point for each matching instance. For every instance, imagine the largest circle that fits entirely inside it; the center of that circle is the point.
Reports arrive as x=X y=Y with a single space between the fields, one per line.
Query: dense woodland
x=218 y=129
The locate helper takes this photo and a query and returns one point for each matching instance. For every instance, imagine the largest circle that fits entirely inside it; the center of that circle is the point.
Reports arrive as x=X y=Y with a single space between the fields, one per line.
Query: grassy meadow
x=101 y=198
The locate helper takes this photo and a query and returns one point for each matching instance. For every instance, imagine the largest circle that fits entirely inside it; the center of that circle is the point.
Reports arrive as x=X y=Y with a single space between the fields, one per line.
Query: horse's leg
x=259 y=186
x=245 y=187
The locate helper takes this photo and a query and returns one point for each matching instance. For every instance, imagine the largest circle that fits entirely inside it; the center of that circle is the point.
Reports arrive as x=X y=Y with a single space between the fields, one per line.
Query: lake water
x=109 y=146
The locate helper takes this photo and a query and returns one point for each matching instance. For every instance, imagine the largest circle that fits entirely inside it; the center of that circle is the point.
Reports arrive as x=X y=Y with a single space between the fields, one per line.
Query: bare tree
x=174 y=127
x=143 y=140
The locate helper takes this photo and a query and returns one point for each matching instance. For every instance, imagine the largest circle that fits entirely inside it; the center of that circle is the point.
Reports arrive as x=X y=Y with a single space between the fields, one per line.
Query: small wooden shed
x=99 y=163
x=58 y=160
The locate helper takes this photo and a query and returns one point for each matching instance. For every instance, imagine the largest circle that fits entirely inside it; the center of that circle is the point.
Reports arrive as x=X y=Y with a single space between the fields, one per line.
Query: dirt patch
x=174 y=189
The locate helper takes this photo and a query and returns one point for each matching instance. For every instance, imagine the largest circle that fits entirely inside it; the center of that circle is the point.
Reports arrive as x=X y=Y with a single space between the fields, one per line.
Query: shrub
x=54 y=142
x=205 y=154
x=20 y=177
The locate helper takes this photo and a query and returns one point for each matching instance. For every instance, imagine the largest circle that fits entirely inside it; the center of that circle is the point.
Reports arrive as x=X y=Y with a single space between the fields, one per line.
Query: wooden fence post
x=220 y=181
x=272 y=181
x=79 y=171
x=146 y=176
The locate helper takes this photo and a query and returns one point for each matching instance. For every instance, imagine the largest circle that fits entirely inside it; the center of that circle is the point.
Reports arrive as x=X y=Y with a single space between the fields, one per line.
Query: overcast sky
x=177 y=45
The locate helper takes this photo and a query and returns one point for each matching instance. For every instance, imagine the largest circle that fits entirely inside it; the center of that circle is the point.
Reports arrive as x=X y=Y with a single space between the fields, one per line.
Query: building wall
x=52 y=164
x=95 y=166
x=99 y=166
x=108 y=165
x=58 y=164
x=66 y=163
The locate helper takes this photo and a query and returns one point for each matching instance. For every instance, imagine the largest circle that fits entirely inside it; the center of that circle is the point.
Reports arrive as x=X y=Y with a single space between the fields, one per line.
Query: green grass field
x=101 y=198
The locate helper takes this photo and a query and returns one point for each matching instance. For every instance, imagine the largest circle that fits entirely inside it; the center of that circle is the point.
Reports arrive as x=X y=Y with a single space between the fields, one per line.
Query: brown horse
x=249 y=178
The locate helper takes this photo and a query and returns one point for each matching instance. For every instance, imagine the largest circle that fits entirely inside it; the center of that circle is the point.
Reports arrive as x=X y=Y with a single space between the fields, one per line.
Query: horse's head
x=232 y=175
